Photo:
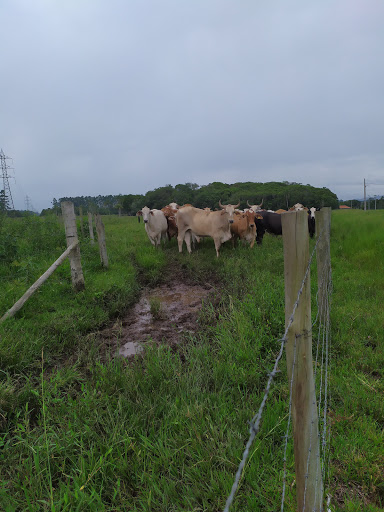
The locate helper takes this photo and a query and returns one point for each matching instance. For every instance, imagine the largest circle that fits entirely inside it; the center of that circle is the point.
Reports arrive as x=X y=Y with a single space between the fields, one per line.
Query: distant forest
x=274 y=195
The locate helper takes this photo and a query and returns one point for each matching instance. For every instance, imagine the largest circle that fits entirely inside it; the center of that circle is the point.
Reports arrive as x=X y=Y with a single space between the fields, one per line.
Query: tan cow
x=255 y=207
x=243 y=227
x=280 y=211
x=194 y=221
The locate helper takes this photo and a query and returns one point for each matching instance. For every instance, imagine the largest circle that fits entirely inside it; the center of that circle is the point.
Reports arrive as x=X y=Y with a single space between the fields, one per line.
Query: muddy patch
x=163 y=315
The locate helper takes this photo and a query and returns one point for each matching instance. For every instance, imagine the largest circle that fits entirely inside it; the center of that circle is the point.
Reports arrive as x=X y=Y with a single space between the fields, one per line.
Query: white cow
x=197 y=222
x=155 y=224
x=297 y=207
x=255 y=207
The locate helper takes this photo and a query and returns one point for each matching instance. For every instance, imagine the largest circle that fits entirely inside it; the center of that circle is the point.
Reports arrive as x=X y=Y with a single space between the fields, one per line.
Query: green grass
x=82 y=430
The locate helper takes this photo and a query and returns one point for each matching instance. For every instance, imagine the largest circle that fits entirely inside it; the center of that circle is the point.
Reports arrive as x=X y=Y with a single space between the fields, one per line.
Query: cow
x=155 y=225
x=255 y=207
x=267 y=221
x=271 y=222
x=170 y=215
x=280 y=210
x=297 y=207
x=243 y=227
x=311 y=220
x=198 y=222
x=174 y=206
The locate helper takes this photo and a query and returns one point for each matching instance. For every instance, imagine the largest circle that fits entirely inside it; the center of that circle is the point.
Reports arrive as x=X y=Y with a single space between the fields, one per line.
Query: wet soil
x=165 y=314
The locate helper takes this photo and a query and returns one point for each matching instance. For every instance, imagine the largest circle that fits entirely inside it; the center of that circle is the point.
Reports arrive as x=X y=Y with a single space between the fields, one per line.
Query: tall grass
x=89 y=431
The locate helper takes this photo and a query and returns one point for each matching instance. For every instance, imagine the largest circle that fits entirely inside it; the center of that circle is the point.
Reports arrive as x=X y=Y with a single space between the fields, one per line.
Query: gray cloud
x=122 y=97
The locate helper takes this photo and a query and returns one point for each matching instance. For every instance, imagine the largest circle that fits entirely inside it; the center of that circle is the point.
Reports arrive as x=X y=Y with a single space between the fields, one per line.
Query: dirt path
x=164 y=314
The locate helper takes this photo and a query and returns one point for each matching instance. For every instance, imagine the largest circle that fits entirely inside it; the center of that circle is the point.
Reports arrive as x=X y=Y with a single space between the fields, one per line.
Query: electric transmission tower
x=28 y=204
x=4 y=175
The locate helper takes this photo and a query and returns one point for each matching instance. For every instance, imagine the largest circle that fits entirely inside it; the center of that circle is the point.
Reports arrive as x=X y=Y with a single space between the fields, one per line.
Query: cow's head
x=311 y=222
x=228 y=209
x=255 y=207
x=297 y=207
x=146 y=212
x=311 y=211
x=250 y=218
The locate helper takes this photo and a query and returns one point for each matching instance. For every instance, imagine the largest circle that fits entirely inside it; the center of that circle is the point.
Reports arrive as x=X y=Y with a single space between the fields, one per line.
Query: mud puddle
x=163 y=315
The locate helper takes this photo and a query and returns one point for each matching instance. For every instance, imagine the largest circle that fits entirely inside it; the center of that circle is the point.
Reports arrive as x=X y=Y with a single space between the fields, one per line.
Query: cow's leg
x=217 y=245
x=195 y=239
x=180 y=239
x=187 y=238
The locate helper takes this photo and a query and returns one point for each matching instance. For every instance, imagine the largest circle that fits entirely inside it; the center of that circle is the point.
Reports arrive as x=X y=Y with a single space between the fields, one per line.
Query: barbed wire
x=288 y=426
x=323 y=333
x=255 y=422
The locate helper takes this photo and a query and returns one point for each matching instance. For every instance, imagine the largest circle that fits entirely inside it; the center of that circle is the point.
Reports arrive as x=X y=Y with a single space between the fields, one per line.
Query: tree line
x=274 y=195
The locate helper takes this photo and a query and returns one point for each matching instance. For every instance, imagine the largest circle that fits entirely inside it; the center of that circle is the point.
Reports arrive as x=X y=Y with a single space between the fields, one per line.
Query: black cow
x=311 y=220
x=270 y=222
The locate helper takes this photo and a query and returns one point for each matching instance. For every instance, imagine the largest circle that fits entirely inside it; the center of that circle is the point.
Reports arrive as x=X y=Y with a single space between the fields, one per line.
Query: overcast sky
x=123 y=96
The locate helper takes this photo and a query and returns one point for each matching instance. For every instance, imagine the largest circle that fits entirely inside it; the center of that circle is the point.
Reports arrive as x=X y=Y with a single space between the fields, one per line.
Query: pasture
x=83 y=430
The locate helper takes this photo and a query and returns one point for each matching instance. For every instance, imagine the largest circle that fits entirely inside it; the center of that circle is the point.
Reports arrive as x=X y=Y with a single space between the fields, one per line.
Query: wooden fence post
x=69 y=217
x=81 y=221
x=304 y=412
x=101 y=239
x=36 y=285
x=90 y=225
x=323 y=256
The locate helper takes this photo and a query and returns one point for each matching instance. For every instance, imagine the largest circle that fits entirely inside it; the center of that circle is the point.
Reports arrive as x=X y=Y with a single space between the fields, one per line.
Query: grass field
x=82 y=430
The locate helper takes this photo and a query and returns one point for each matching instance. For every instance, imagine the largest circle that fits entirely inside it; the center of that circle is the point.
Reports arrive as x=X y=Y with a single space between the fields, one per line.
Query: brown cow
x=243 y=227
x=170 y=215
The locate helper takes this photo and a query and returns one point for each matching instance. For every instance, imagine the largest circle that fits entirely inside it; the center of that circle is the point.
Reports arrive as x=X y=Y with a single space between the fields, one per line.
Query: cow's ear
x=139 y=212
x=151 y=212
x=258 y=216
x=222 y=213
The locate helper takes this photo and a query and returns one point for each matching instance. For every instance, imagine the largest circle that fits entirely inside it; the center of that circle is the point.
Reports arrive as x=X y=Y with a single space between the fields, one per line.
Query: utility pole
x=365 y=196
x=4 y=174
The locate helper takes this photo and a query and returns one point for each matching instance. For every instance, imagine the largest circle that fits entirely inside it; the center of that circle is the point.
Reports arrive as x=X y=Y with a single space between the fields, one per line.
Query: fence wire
x=319 y=414
x=255 y=422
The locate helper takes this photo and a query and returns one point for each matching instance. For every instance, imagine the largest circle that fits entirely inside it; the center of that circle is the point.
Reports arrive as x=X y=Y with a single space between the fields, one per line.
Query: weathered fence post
x=81 y=221
x=323 y=256
x=69 y=217
x=90 y=225
x=304 y=411
x=101 y=239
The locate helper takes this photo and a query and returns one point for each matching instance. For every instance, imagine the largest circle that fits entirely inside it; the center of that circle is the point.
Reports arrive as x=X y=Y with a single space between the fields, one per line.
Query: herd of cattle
x=189 y=224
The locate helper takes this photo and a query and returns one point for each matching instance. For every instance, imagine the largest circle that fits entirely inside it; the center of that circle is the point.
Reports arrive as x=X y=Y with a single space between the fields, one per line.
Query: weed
x=156 y=308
